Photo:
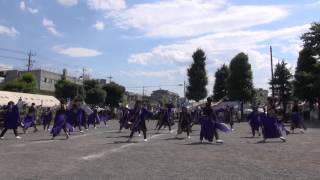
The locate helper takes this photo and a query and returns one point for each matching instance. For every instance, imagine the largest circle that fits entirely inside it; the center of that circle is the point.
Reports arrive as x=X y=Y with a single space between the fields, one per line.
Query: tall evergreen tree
x=220 y=84
x=282 y=82
x=311 y=39
x=239 y=84
x=198 y=80
x=305 y=76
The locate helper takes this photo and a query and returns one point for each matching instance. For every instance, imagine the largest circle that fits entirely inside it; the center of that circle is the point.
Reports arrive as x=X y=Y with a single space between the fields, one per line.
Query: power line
x=13 y=51
x=10 y=57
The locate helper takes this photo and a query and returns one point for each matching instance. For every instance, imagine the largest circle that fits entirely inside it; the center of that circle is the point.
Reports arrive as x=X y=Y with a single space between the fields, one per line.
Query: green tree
x=220 y=84
x=239 y=84
x=27 y=83
x=305 y=76
x=114 y=94
x=90 y=84
x=96 y=96
x=311 y=39
x=282 y=82
x=198 y=80
x=66 y=89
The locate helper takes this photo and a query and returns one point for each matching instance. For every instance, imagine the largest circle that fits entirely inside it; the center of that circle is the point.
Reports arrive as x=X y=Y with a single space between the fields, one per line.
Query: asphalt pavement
x=104 y=153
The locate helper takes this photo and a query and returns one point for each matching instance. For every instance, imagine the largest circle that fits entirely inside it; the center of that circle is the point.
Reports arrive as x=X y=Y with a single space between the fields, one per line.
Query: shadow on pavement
x=249 y=137
x=269 y=142
x=124 y=142
x=48 y=139
x=124 y=136
x=199 y=143
x=175 y=138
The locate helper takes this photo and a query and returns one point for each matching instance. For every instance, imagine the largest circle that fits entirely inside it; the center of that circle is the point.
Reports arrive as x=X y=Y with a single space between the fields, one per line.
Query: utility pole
x=30 y=61
x=143 y=92
x=272 y=86
x=184 y=89
x=110 y=78
x=83 y=79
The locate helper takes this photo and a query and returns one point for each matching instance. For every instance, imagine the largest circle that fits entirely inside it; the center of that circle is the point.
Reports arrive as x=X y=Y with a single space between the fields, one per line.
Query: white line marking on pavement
x=114 y=150
x=71 y=138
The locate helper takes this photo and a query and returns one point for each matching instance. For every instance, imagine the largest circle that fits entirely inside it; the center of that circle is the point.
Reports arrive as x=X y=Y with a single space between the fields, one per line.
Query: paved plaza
x=103 y=153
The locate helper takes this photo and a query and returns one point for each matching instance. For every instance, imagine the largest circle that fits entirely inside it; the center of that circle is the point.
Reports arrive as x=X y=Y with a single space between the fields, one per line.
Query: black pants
x=231 y=124
x=163 y=123
x=122 y=124
x=46 y=125
x=253 y=130
x=144 y=131
x=79 y=124
x=64 y=128
x=215 y=135
x=6 y=129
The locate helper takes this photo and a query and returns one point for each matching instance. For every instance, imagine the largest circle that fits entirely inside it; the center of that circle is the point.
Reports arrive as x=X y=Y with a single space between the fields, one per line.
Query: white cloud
x=23 y=7
x=314 y=4
x=68 y=3
x=9 y=31
x=4 y=67
x=33 y=11
x=106 y=5
x=216 y=44
x=76 y=51
x=50 y=26
x=170 y=74
x=221 y=47
x=180 y=18
x=99 y=25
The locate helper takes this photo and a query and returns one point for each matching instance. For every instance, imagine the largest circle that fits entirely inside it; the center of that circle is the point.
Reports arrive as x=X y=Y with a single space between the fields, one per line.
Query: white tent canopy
x=45 y=101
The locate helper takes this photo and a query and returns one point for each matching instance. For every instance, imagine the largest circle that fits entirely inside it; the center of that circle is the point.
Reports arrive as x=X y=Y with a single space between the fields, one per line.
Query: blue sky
x=150 y=42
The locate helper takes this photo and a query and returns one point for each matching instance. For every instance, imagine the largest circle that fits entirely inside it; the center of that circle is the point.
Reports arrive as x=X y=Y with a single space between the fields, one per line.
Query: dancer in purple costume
x=124 y=118
x=60 y=122
x=271 y=127
x=139 y=115
x=184 y=124
x=254 y=121
x=47 y=117
x=165 y=117
x=104 y=117
x=208 y=123
x=30 y=119
x=296 y=118
x=11 y=120
x=94 y=118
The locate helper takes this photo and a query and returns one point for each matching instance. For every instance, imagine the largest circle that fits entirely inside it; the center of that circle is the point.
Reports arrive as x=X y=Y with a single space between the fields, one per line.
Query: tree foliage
x=282 y=82
x=239 y=83
x=311 y=39
x=26 y=83
x=114 y=94
x=96 y=96
x=305 y=76
x=66 y=89
x=198 y=80
x=90 y=84
x=220 y=84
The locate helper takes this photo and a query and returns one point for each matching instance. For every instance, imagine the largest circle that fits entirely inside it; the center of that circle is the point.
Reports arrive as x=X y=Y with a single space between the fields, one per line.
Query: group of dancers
x=69 y=117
